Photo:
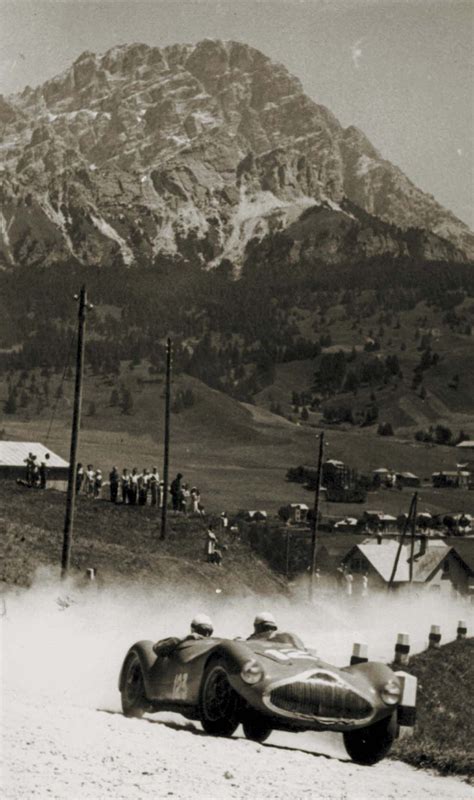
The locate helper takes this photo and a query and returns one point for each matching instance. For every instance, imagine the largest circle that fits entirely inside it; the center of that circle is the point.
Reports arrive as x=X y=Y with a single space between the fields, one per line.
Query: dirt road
x=64 y=737
x=73 y=753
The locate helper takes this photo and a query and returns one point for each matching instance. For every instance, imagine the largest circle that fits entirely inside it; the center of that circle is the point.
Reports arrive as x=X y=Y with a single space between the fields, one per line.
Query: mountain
x=198 y=153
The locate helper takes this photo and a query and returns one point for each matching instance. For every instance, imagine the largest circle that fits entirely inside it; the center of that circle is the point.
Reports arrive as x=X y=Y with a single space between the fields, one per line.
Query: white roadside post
x=434 y=638
x=461 y=632
x=402 y=649
x=406 y=715
x=359 y=653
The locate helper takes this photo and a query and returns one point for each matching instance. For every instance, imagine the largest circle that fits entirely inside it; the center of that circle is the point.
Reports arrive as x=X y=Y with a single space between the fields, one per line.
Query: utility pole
x=314 y=526
x=411 y=515
x=166 y=456
x=287 y=553
x=412 y=538
x=76 y=424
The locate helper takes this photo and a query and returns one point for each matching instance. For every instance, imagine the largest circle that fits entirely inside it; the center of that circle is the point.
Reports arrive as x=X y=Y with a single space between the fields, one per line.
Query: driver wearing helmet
x=264 y=626
x=201 y=628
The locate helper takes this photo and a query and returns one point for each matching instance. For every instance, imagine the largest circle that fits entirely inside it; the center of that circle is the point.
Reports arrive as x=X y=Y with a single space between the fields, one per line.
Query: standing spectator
x=365 y=585
x=114 y=479
x=154 y=485
x=90 y=480
x=79 y=477
x=133 y=490
x=214 y=556
x=29 y=461
x=185 y=498
x=224 y=521
x=35 y=473
x=195 y=500
x=143 y=484
x=44 y=472
x=176 y=492
x=341 y=576
x=97 y=484
x=125 y=481
x=348 y=577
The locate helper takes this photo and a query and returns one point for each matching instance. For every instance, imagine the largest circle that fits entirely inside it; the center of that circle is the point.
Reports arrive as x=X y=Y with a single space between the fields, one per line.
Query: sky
x=400 y=70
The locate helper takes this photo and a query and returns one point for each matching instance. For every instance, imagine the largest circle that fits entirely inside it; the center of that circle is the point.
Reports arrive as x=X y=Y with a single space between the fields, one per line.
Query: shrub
x=385 y=429
x=443 y=435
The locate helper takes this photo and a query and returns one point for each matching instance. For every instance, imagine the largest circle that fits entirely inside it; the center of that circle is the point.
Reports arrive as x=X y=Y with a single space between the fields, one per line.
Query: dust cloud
x=65 y=642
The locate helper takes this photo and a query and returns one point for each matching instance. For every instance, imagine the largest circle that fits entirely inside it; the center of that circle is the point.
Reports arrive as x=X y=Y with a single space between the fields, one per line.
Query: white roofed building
x=13 y=457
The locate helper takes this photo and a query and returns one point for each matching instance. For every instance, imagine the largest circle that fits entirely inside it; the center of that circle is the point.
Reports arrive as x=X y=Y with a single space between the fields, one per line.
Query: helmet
x=202 y=624
x=264 y=622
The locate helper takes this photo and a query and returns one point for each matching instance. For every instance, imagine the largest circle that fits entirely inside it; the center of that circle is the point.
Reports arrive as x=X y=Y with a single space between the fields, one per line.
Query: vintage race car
x=270 y=684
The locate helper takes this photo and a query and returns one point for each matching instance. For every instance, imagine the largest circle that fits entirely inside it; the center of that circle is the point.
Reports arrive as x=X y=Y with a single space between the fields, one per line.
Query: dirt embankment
x=123 y=543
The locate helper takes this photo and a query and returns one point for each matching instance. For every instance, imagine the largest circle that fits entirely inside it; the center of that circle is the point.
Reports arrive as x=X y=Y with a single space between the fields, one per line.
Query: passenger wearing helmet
x=264 y=626
x=201 y=628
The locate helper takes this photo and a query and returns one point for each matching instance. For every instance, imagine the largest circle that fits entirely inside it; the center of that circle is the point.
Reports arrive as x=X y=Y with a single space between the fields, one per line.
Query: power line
x=58 y=393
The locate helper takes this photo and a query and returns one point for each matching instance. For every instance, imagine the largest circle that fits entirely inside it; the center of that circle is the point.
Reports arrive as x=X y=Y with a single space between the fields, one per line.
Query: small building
x=407 y=479
x=297 y=512
x=378 y=521
x=346 y=524
x=13 y=456
x=383 y=477
x=335 y=473
x=465 y=452
x=256 y=516
x=452 y=479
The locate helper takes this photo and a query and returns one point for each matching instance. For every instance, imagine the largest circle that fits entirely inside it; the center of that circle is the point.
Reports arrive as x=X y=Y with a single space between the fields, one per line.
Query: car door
x=177 y=677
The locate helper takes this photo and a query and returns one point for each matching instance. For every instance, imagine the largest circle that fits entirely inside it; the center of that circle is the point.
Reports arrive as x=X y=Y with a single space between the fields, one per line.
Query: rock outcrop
x=193 y=152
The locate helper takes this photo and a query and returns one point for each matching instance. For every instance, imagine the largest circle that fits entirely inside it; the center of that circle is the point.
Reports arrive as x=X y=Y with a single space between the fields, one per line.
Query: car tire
x=219 y=704
x=256 y=727
x=134 y=702
x=367 y=746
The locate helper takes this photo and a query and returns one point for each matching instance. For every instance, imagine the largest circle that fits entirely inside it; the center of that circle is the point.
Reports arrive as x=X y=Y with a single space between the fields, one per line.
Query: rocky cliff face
x=195 y=151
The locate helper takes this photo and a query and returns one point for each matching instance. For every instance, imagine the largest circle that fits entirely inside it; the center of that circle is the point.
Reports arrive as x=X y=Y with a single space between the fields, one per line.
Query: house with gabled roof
x=462 y=570
x=435 y=565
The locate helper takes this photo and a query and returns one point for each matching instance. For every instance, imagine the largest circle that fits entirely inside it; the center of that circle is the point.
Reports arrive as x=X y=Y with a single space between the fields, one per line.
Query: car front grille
x=319 y=699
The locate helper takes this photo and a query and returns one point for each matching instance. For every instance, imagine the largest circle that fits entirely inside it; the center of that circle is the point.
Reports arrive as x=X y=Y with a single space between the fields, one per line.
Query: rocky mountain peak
x=190 y=151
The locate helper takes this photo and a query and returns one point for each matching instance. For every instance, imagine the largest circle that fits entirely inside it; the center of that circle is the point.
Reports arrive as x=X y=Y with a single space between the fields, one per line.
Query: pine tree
x=127 y=401
x=10 y=405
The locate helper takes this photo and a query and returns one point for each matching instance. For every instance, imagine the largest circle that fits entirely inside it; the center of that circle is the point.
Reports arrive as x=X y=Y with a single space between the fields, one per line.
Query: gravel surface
x=65 y=738
x=75 y=753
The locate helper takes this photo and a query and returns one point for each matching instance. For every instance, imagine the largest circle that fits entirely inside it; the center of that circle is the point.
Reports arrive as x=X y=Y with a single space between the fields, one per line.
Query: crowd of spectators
x=36 y=471
x=135 y=488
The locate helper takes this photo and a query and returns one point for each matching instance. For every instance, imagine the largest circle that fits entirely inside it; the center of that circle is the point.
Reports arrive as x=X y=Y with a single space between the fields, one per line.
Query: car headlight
x=251 y=672
x=390 y=693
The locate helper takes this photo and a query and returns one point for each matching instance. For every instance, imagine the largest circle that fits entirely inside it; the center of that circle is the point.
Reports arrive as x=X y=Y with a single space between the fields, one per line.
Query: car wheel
x=369 y=745
x=134 y=702
x=256 y=728
x=219 y=705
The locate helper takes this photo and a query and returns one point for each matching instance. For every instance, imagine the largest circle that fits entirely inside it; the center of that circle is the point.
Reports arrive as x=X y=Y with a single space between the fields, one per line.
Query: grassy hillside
x=237 y=454
x=122 y=543
x=444 y=733
x=437 y=399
